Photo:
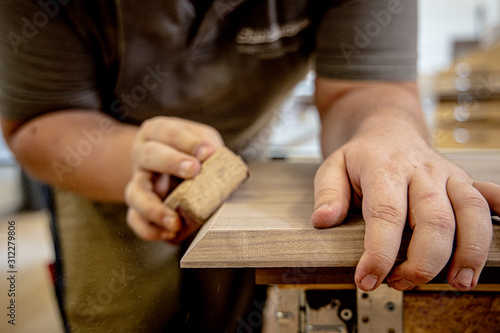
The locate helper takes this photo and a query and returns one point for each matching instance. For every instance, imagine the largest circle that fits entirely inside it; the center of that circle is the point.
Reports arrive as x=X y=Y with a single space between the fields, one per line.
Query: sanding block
x=196 y=199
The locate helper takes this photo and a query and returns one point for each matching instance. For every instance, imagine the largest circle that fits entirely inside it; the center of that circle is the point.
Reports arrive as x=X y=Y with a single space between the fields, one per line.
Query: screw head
x=390 y=306
x=346 y=314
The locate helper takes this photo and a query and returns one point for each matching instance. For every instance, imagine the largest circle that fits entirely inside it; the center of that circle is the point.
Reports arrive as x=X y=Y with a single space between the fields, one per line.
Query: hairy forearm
x=350 y=108
x=82 y=151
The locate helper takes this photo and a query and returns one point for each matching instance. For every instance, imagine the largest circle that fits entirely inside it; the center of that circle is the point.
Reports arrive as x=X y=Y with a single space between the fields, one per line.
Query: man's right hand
x=164 y=147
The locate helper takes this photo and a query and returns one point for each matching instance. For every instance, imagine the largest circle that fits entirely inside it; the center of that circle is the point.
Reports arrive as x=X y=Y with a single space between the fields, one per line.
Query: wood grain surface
x=266 y=224
x=451 y=311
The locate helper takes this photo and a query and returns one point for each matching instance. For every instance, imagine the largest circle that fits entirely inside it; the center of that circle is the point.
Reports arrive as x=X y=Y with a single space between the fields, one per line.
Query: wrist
x=390 y=124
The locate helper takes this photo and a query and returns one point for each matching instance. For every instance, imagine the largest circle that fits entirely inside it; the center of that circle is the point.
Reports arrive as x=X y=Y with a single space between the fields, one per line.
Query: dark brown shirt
x=226 y=65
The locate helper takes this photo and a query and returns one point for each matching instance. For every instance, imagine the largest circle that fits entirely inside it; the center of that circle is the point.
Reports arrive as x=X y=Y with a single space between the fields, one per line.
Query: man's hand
x=388 y=169
x=164 y=147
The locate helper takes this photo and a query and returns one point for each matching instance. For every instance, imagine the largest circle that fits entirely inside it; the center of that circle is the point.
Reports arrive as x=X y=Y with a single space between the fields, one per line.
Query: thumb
x=332 y=192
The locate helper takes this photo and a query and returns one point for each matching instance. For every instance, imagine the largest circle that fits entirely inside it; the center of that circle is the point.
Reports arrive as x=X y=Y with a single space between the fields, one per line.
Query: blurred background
x=459 y=76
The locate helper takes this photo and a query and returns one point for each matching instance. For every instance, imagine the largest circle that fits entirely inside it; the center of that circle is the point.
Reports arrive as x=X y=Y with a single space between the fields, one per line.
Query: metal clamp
x=380 y=310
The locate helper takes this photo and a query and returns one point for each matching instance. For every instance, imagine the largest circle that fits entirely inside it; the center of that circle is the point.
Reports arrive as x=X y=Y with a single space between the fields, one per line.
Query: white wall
x=442 y=21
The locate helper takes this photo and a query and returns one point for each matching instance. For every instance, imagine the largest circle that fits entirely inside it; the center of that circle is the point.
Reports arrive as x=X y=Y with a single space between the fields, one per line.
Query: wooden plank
x=451 y=311
x=480 y=130
x=267 y=223
x=428 y=287
x=302 y=276
x=483 y=78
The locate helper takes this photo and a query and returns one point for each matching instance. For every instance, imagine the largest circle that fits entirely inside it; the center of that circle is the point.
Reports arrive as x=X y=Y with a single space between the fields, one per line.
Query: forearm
x=85 y=152
x=350 y=108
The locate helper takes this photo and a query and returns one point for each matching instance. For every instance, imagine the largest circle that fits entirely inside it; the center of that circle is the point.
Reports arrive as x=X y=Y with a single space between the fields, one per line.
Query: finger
x=161 y=184
x=154 y=156
x=189 y=137
x=384 y=210
x=140 y=197
x=473 y=236
x=433 y=222
x=189 y=226
x=147 y=230
x=491 y=192
x=332 y=192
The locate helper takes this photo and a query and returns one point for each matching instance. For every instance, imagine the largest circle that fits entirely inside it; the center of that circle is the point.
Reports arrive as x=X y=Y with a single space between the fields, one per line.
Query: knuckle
x=217 y=136
x=155 y=125
x=386 y=213
x=392 y=166
x=129 y=194
x=134 y=221
x=149 y=124
x=477 y=251
x=326 y=193
x=423 y=274
x=145 y=153
x=207 y=128
x=429 y=197
x=148 y=235
x=144 y=208
x=210 y=133
x=151 y=213
x=442 y=221
x=381 y=260
x=132 y=190
x=427 y=168
x=473 y=201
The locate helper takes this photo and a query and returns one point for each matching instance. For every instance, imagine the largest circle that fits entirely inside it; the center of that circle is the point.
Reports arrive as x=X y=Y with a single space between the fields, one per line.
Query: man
x=106 y=100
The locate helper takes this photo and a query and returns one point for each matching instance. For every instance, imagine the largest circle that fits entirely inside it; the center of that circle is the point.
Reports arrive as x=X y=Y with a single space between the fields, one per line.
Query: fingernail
x=202 y=153
x=186 y=166
x=171 y=223
x=168 y=222
x=369 y=282
x=464 y=277
x=402 y=284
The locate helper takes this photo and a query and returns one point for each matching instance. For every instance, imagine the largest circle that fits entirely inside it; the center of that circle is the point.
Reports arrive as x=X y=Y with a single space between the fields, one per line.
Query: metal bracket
x=380 y=310
x=325 y=319
x=311 y=311
x=335 y=311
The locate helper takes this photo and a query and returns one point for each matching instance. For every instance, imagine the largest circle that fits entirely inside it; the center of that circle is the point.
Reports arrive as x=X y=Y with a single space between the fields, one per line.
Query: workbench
x=266 y=226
